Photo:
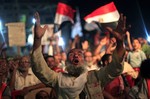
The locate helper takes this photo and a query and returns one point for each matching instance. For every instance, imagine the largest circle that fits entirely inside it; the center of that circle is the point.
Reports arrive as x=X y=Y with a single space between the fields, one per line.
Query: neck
x=24 y=73
x=136 y=49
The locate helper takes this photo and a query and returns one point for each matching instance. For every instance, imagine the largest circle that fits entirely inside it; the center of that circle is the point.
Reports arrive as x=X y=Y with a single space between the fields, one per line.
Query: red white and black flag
x=64 y=13
x=106 y=15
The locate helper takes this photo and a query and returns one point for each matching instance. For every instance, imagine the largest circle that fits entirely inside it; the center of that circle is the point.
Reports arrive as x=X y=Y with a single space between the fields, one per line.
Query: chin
x=75 y=69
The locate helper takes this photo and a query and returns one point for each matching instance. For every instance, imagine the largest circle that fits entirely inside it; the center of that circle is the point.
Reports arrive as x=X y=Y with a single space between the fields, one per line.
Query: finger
x=45 y=27
x=124 y=22
x=121 y=17
x=109 y=29
x=113 y=40
x=112 y=32
x=37 y=18
x=36 y=15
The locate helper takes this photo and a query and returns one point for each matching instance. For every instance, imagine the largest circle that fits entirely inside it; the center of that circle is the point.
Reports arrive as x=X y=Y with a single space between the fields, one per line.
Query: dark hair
x=46 y=56
x=37 y=96
x=105 y=58
x=134 y=39
x=145 y=69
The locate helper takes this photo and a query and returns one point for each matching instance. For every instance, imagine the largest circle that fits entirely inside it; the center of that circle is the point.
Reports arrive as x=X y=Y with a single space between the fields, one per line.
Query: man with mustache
x=70 y=84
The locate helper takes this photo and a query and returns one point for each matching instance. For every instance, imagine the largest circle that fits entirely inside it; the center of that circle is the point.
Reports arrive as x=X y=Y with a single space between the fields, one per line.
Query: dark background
x=136 y=11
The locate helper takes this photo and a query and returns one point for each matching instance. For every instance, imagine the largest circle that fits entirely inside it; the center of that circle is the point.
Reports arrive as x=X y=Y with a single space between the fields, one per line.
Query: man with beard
x=23 y=79
x=70 y=84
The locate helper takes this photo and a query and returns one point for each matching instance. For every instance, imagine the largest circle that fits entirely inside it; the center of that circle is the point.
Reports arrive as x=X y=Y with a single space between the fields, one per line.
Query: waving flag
x=104 y=14
x=64 y=13
x=76 y=28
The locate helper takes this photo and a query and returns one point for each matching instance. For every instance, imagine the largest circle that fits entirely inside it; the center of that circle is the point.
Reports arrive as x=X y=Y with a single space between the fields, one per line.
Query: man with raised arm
x=70 y=84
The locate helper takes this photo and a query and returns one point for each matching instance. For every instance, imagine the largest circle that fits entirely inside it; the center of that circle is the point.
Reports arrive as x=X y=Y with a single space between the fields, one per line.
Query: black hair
x=48 y=56
x=105 y=58
x=37 y=96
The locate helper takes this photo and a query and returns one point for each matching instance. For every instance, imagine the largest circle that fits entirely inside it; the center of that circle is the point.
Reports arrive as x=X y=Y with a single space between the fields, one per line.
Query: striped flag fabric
x=104 y=14
x=64 y=13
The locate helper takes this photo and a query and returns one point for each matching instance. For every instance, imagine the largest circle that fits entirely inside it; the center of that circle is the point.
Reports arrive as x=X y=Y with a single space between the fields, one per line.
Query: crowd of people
x=110 y=67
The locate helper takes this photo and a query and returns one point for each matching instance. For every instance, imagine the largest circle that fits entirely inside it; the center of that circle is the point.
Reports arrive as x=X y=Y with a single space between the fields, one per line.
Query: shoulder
x=142 y=52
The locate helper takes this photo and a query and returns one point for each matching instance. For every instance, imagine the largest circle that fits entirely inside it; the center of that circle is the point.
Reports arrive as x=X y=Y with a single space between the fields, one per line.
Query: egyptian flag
x=64 y=14
x=106 y=15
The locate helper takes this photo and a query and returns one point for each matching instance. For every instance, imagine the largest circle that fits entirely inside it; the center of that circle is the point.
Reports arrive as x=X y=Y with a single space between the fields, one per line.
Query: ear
x=106 y=62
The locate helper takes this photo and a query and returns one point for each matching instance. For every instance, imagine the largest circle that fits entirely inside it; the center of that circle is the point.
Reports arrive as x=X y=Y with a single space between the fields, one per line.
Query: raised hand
x=85 y=45
x=38 y=30
x=112 y=46
x=103 y=41
x=119 y=33
x=121 y=29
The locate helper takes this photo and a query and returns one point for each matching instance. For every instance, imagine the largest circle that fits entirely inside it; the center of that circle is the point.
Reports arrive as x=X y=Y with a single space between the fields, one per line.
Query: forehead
x=76 y=51
x=50 y=58
x=24 y=58
x=135 y=41
x=57 y=55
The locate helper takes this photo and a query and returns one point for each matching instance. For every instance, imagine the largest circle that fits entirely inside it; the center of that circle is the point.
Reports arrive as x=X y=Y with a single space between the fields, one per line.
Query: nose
x=75 y=55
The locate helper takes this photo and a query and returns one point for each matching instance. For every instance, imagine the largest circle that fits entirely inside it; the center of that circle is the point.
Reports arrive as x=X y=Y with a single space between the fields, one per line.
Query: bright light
x=1 y=32
x=33 y=20
x=30 y=39
x=61 y=41
x=0 y=25
x=148 y=38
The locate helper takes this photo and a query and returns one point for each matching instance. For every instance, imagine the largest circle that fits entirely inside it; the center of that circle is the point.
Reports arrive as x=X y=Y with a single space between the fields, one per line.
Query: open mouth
x=75 y=61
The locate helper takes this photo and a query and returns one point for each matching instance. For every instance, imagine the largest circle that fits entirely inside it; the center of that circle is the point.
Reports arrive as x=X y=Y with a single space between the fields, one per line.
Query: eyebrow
x=80 y=52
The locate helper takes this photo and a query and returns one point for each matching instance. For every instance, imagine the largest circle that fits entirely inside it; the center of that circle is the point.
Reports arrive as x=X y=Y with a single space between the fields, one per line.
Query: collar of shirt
x=29 y=72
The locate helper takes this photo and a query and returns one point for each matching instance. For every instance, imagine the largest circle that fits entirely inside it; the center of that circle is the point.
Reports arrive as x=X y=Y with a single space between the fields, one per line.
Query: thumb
x=45 y=27
x=109 y=29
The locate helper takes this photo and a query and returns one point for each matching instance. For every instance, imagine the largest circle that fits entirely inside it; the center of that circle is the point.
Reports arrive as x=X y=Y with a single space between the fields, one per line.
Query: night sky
x=136 y=12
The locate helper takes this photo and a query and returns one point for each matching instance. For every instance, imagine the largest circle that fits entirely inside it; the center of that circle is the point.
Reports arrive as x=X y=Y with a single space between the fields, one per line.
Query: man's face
x=136 y=44
x=24 y=63
x=75 y=64
x=57 y=58
x=3 y=67
x=76 y=57
x=88 y=56
x=51 y=62
x=63 y=56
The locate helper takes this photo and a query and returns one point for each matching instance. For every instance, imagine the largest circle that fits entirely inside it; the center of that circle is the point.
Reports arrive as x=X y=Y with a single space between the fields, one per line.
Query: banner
x=16 y=34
